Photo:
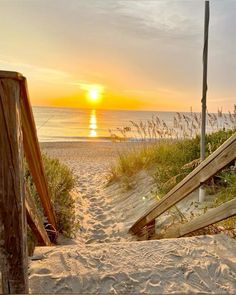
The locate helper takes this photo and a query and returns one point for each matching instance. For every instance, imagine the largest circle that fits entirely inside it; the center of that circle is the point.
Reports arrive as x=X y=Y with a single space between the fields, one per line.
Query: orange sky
x=142 y=55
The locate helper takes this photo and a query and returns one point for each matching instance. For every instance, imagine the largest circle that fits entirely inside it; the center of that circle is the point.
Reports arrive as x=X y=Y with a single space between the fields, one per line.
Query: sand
x=105 y=212
x=104 y=258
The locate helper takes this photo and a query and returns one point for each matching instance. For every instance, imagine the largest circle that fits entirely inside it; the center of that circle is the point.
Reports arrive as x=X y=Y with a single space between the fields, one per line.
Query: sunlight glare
x=93 y=133
x=93 y=124
x=93 y=94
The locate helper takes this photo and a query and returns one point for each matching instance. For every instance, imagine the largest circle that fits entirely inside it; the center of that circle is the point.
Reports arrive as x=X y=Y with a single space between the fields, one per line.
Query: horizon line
x=101 y=109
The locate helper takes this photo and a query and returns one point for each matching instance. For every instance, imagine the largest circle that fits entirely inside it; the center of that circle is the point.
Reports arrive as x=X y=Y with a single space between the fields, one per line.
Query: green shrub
x=170 y=160
x=226 y=191
x=60 y=182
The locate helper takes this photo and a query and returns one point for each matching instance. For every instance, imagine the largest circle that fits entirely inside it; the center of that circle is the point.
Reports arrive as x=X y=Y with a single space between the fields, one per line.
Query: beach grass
x=60 y=182
x=186 y=125
x=169 y=161
x=225 y=190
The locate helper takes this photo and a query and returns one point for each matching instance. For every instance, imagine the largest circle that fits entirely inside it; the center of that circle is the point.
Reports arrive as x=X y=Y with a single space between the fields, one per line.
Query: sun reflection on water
x=93 y=124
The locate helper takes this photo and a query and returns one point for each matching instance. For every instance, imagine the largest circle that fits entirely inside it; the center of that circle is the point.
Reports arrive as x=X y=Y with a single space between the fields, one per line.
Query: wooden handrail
x=18 y=137
x=35 y=222
x=33 y=154
x=31 y=145
x=225 y=154
x=11 y=75
x=224 y=211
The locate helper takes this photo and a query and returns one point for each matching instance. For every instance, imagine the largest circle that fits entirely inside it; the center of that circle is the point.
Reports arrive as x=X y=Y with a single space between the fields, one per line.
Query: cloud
x=88 y=86
x=156 y=19
x=145 y=45
x=34 y=71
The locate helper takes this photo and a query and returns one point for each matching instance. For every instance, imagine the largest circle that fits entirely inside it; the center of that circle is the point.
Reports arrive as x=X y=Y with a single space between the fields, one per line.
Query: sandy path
x=102 y=215
x=204 y=264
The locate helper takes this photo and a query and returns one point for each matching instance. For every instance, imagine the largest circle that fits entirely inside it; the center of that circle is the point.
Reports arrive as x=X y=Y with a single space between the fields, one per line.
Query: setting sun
x=93 y=94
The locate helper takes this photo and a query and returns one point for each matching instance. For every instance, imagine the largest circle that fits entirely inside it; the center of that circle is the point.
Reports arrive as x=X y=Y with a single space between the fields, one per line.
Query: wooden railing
x=222 y=157
x=18 y=138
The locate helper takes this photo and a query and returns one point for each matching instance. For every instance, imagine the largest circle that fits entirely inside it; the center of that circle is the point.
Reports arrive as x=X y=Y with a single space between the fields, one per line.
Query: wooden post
x=13 y=233
x=31 y=146
x=204 y=92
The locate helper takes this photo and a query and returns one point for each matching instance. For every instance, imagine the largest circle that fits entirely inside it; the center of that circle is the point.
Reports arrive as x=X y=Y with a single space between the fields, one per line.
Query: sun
x=93 y=94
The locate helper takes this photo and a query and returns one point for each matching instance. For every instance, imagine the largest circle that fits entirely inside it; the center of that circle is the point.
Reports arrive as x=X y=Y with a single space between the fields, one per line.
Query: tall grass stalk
x=183 y=126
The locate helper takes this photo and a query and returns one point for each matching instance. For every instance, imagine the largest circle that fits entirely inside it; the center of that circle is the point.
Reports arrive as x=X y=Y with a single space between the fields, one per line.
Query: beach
x=117 y=161
x=104 y=258
x=105 y=212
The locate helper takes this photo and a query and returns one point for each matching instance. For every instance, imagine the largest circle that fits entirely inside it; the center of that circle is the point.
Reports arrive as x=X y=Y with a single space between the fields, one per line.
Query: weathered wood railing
x=18 y=137
x=223 y=156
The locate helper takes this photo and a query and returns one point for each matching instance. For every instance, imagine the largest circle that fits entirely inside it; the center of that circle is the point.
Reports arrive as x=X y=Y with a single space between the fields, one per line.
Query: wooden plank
x=212 y=216
x=13 y=233
x=33 y=154
x=225 y=154
x=35 y=223
x=11 y=75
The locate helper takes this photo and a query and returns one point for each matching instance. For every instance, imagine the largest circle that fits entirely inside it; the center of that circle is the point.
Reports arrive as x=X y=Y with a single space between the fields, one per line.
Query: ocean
x=67 y=124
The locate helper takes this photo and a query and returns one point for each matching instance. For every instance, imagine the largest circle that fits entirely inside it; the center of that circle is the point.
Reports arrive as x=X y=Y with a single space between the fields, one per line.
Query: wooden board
x=11 y=75
x=222 y=212
x=208 y=168
x=13 y=233
x=35 y=223
x=33 y=154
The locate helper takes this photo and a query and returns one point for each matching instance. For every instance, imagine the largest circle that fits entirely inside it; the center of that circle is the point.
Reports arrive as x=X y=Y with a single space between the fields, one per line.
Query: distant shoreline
x=100 y=140
x=102 y=126
x=99 y=144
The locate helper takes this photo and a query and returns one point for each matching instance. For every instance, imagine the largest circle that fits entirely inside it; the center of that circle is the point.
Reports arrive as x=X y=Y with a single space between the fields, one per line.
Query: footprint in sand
x=101 y=217
x=61 y=287
x=98 y=211
x=82 y=189
x=107 y=222
x=97 y=231
x=93 y=199
x=90 y=241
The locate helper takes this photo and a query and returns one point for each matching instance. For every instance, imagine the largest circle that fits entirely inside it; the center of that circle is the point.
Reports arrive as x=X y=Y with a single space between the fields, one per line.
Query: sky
x=120 y=54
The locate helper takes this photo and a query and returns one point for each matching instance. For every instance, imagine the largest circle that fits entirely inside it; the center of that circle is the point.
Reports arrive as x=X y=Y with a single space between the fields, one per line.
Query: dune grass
x=60 y=182
x=182 y=126
x=225 y=191
x=169 y=161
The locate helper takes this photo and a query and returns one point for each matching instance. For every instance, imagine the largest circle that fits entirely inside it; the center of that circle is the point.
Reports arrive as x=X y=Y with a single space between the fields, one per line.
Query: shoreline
x=109 y=140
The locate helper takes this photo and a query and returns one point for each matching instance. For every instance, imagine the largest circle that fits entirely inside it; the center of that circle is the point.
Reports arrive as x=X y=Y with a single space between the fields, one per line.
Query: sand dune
x=203 y=264
x=104 y=258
